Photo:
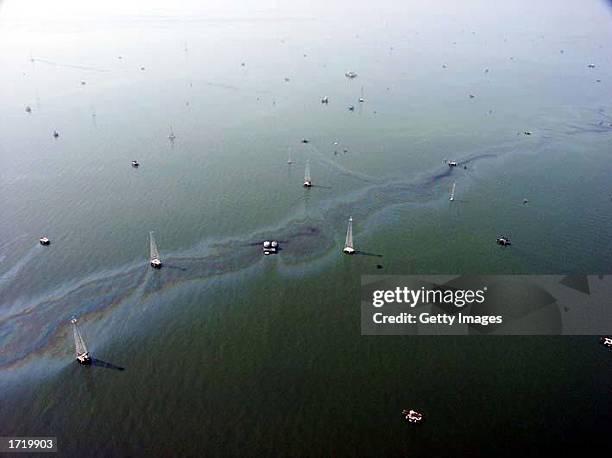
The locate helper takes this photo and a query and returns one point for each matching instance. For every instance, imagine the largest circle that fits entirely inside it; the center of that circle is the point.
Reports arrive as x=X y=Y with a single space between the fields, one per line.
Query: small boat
x=55 y=134
x=504 y=241
x=606 y=341
x=452 y=163
x=525 y=201
x=82 y=355
x=348 y=244
x=351 y=108
x=361 y=99
x=304 y=140
x=270 y=247
x=412 y=416
x=171 y=136
x=307 y=178
x=135 y=163
x=350 y=75
x=289 y=161
x=325 y=100
x=591 y=65
x=154 y=253
x=527 y=132
x=44 y=241
x=28 y=109
x=452 y=193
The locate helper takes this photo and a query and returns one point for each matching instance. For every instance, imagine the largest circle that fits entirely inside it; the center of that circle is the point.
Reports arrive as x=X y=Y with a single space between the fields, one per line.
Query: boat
x=325 y=100
x=452 y=193
x=412 y=416
x=591 y=65
x=348 y=244
x=361 y=99
x=525 y=201
x=304 y=140
x=307 y=178
x=55 y=134
x=44 y=241
x=154 y=253
x=504 y=241
x=289 y=161
x=270 y=247
x=171 y=136
x=351 y=108
x=452 y=163
x=606 y=341
x=82 y=355
x=135 y=163
x=28 y=109
x=527 y=132
x=350 y=75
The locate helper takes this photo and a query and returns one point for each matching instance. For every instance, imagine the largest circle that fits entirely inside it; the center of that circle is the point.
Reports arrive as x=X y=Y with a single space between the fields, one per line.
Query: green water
x=227 y=352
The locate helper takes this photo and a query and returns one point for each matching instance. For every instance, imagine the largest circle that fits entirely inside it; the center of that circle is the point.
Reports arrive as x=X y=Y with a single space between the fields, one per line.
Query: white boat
x=307 y=178
x=361 y=99
x=452 y=163
x=504 y=241
x=135 y=163
x=270 y=247
x=348 y=244
x=350 y=75
x=171 y=136
x=452 y=193
x=44 y=241
x=412 y=416
x=606 y=341
x=82 y=355
x=154 y=253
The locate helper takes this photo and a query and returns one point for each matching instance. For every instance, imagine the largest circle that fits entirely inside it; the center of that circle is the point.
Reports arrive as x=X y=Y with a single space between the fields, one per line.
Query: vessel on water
x=270 y=247
x=325 y=100
x=135 y=163
x=154 y=253
x=452 y=193
x=504 y=241
x=348 y=243
x=44 y=241
x=307 y=178
x=351 y=108
x=350 y=75
x=606 y=341
x=452 y=163
x=55 y=134
x=28 y=109
x=82 y=355
x=412 y=416
x=289 y=161
x=361 y=99
x=171 y=136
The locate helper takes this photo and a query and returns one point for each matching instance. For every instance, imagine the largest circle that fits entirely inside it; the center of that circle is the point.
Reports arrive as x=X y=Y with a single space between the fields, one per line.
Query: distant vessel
x=452 y=193
x=44 y=241
x=270 y=247
x=591 y=65
x=82 y=355
x=135 y=163
x=55 y=134
x=325 y=100
x=28 y=109
x=351 y=108
x=171 y=136
x=606 y=341
x=154 y=253
x=452 y=163
x=348 y=244
x=504 y=241
x=289 y=161
x=361 y=99
x=350 y=75
x=412 y=416
x=307 y=178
